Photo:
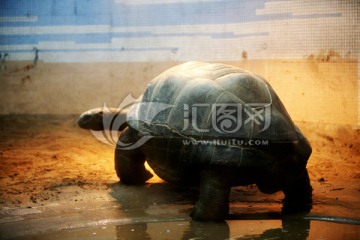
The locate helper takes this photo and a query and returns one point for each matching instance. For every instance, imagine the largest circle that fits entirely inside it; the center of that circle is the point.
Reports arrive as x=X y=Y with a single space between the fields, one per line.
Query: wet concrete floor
x=160 y=211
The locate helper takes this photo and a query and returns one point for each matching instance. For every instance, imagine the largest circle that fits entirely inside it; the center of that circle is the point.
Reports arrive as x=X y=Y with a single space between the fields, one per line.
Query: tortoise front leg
x=129 y=164
x=213 y=203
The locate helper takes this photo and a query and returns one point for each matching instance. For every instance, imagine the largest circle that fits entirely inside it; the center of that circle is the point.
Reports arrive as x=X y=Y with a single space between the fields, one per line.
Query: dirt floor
x=48 y=161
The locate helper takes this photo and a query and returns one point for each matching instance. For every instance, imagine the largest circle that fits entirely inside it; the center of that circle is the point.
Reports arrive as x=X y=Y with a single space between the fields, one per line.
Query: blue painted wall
x=144 y=30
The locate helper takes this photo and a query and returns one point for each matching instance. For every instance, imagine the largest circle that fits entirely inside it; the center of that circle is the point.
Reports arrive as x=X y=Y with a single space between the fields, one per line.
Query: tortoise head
x=92 y=119
x=99 y=119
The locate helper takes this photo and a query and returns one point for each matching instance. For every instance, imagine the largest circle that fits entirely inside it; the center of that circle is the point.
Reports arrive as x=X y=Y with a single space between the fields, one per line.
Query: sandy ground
x=49 y=165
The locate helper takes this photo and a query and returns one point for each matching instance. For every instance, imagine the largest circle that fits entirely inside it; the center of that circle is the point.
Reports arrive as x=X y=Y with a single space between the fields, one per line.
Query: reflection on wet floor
x=233 y=229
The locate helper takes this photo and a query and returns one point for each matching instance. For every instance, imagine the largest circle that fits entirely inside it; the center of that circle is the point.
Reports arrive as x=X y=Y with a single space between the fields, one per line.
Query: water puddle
x=232 y=229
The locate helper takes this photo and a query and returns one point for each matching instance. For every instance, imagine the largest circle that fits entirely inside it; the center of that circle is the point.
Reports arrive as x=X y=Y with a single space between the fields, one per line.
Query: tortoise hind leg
x=213 y=203
x=129 y=164
x=298 y=194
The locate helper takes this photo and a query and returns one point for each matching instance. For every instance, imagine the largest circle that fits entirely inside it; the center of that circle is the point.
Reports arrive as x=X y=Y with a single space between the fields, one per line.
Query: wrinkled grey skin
x=278 y=166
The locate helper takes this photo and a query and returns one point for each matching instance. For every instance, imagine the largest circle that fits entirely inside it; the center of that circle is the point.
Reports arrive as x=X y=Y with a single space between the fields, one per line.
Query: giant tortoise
x=214 y=126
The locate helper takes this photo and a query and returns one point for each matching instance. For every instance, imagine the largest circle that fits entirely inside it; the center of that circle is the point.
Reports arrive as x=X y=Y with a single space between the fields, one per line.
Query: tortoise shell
x=211 y=100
